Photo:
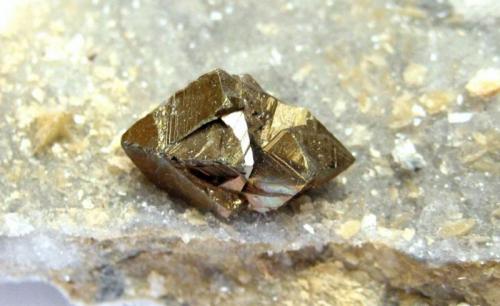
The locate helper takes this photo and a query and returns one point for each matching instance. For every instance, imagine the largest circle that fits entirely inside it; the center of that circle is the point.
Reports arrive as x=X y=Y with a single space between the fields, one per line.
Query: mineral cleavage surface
x=224 y=144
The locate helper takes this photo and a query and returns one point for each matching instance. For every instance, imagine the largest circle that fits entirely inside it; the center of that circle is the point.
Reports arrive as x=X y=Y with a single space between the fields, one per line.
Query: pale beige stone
x=457 y=228
x=414 y=74
x=408 y=233
x=485 y=83
x=436 y=101
x=119 y=164
x=50 y=127
x=402 y=113
x=156 y=283
x=496 y=213
x=349 y=229
x=193 y=216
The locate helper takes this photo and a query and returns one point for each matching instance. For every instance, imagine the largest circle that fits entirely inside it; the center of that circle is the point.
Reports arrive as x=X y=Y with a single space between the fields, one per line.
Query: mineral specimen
x=224 y=144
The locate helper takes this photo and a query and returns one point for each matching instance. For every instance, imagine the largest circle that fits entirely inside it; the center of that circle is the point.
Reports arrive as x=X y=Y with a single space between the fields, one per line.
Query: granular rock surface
x=410 y=87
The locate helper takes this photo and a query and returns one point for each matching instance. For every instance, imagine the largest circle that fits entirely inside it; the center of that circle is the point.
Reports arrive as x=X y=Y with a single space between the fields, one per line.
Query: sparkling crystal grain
x=224 y=144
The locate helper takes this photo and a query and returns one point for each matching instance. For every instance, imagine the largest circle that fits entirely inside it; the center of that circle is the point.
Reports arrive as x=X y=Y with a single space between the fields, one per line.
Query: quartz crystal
x=224 y=144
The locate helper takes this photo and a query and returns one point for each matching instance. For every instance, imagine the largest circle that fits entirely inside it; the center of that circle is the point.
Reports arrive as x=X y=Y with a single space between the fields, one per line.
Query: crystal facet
x=224 y=144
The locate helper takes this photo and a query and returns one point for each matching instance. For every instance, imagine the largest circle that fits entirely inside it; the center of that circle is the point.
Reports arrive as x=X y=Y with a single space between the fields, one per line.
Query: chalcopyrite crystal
x=224 y=144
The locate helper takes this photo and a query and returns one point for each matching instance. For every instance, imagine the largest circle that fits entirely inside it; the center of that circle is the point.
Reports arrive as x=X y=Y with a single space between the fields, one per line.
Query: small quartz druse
x=224 y=144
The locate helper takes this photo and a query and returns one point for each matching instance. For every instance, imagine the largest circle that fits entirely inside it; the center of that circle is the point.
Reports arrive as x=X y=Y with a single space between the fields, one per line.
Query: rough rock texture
x=415 y=220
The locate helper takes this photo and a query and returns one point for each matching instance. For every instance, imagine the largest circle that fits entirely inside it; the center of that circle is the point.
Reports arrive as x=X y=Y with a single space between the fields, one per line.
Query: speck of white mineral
x=87 y=203
x=405 y=154
x=369 y=223
x=459 y=117
x=79 y=119
x=25 y=146
x=38 y=94
x=309 y=228
x=299 y=48
x=375 y=153
x=418 y=110
x=229 y=9
x=14 y=225
x=276 y=57
x=216 y=16
x=58 y=150
x=136 y=4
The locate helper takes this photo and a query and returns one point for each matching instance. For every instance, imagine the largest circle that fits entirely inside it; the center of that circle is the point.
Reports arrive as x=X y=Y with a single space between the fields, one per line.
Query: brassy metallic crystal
x=224 y=144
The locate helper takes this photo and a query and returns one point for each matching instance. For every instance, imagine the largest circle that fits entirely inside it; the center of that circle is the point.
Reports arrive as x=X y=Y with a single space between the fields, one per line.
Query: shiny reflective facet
x=224 y=144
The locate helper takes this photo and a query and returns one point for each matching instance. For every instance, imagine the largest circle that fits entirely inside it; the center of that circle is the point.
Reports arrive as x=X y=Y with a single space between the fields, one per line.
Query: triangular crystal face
x=224 y=144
